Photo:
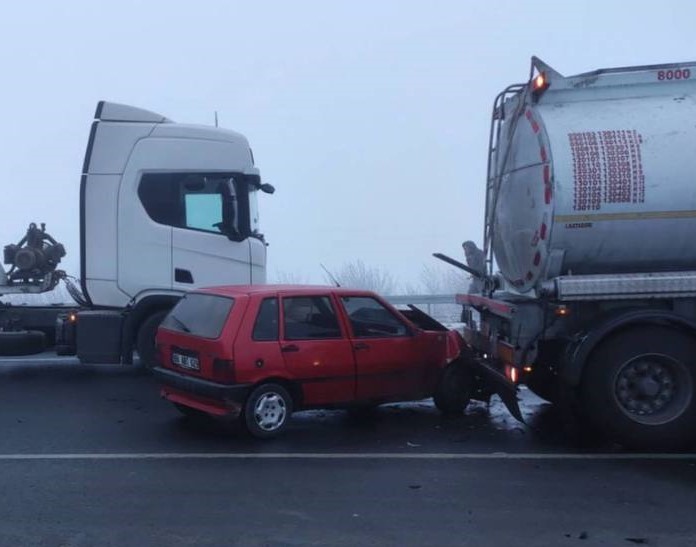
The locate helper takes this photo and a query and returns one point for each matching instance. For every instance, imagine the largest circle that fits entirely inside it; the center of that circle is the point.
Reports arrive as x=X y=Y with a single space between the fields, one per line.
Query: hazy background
x=370 y=118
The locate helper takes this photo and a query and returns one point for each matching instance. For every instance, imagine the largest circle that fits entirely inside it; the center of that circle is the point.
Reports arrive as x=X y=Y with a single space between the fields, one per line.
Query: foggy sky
x=370 y=118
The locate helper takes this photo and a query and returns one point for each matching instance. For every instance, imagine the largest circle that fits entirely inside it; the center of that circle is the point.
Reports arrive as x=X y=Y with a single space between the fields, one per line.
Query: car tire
x=145 y=341
x=453 y=391
x=267 y=411
x=639 y=388
x=22 y=342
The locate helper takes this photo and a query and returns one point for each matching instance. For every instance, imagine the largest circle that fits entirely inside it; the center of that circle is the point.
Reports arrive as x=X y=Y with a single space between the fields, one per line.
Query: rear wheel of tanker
x=453 y=391
x=22 y=342
x=639 y=388
x=145 y=341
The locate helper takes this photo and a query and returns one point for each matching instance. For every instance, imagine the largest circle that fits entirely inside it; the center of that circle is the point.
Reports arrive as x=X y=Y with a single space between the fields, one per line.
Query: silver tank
x=594 y=173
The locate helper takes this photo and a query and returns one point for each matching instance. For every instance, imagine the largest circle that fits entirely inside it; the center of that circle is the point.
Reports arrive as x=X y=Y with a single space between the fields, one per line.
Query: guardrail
x=446 y=307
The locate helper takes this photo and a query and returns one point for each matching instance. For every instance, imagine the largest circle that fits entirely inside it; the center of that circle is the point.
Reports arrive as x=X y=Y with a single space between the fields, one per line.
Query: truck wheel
x=638 y=388
x=22 y=342
x=454 y=389
x=145 y=342
x=267 y=411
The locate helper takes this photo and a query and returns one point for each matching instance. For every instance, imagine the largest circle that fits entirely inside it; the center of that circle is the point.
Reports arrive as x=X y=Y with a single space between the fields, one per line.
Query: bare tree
x=357 y=275
x=437 y=279
x=288 y=278
x=442 y=279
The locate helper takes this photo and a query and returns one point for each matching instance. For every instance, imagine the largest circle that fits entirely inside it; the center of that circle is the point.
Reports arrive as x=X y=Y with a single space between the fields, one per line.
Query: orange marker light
x=539 y=81
x=562 y=311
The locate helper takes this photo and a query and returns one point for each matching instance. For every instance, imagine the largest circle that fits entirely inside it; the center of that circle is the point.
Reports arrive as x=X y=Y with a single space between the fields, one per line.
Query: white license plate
x=185 y=361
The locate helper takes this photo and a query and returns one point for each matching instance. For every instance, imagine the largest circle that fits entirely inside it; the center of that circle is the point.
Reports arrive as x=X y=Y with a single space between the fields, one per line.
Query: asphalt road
x=91 y=456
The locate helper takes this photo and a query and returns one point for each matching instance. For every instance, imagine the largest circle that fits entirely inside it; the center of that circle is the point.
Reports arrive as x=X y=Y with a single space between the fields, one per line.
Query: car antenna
x=335 y=281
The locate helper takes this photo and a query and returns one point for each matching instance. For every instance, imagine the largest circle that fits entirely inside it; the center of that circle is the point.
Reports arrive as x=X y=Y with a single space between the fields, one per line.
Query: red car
x=260 y=352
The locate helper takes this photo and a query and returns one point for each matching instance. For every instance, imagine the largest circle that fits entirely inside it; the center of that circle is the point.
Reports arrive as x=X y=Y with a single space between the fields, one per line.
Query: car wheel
x=639 y=388
x=22 y=342
x=453 y=391
x=267 y=411
x=145 y=342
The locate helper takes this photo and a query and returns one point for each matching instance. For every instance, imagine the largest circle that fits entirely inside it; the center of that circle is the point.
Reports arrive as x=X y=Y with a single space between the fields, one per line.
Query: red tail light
x=223 y=370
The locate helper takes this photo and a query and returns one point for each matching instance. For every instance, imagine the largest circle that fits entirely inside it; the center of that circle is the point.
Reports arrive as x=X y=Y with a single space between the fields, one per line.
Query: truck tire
x=453 y=391
x=22 y=342
x=145 y=342
x=639 y=388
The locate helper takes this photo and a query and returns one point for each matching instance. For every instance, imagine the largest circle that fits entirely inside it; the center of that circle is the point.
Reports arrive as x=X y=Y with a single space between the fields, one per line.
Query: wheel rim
x=270 y=411
x=653 y=389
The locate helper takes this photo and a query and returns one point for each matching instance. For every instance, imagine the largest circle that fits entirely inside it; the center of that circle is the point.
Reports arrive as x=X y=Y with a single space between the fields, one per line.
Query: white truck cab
x=164 y=208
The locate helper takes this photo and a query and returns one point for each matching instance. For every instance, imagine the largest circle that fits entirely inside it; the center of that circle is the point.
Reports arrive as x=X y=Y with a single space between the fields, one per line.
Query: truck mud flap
x=497 y=383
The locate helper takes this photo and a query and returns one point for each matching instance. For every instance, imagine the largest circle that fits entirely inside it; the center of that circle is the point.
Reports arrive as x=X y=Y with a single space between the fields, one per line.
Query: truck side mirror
x=267 y=188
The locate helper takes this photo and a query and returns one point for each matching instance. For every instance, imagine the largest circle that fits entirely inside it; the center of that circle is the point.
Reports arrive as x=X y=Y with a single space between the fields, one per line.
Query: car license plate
x=185 y=361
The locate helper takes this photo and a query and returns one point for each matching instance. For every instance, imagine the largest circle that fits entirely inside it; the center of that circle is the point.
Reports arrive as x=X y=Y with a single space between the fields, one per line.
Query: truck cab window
x=196 y=201
x=203 y=212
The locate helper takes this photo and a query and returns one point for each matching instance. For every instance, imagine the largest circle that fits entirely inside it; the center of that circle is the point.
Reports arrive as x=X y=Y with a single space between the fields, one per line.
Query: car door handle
x=360 y=345
x=289 y=348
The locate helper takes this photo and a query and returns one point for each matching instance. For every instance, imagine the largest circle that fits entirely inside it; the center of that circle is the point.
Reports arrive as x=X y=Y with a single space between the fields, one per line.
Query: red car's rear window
x=198 y=314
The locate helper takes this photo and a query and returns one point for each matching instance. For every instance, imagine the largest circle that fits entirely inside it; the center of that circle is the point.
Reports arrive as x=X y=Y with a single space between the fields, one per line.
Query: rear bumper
x=236 y=393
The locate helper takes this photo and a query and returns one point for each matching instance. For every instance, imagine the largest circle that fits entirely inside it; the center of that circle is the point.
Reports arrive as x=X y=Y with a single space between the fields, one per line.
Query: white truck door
x=202 y=252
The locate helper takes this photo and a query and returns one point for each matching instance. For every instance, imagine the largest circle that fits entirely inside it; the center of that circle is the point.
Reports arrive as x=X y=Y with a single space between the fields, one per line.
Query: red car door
x=388 y=353
x=316 y=350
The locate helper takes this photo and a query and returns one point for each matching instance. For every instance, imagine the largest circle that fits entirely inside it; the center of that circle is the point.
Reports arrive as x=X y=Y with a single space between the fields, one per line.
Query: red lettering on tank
x=542 y=231
x=542 y=152
x=537 y=258
x=607 y=168
x=530 y=276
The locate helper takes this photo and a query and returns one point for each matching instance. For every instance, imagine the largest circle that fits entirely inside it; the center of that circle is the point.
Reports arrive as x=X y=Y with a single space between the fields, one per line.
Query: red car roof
x=237 y=290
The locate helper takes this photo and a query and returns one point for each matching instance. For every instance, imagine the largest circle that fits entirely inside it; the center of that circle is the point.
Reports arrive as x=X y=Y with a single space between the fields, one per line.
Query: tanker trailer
x=589 y=297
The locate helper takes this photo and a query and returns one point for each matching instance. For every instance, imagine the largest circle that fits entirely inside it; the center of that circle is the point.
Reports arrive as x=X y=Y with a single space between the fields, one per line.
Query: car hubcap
x=653 y=389
x=270 y=411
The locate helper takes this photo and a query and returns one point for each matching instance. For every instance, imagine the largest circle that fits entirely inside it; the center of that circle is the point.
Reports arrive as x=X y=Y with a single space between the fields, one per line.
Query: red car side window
x=266 y=325
x=309 y=318
x=370 y=319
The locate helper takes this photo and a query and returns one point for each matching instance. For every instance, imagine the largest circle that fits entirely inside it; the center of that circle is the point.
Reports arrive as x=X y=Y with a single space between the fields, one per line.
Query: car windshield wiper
x=181 y=324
